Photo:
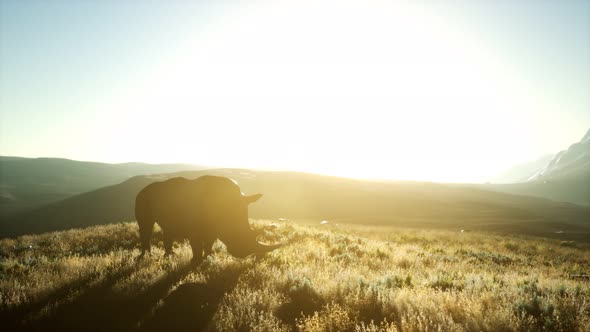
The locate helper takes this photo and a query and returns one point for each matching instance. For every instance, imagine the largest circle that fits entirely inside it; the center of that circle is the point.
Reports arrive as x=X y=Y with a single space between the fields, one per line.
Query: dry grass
x=334 y=278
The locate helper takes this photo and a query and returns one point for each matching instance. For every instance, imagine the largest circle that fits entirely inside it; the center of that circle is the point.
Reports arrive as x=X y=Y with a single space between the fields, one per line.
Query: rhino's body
x=200 y=210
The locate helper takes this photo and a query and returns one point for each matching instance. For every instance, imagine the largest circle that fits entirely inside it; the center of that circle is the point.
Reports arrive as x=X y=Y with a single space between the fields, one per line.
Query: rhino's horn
x=263 y=248
x=252 y=198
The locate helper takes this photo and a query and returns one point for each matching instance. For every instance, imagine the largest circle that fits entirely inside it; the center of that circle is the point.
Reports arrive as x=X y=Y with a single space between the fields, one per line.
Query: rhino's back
x=178 y=203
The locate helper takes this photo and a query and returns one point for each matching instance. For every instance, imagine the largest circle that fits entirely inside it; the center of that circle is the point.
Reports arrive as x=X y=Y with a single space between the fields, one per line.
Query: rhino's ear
x=252 y=198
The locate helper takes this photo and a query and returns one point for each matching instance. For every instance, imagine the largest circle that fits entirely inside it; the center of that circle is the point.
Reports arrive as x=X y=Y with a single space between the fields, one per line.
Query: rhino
x=201 y=210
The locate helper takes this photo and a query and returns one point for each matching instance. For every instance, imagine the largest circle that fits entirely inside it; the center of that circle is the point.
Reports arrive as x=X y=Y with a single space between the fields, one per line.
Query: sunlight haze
x=446 y=92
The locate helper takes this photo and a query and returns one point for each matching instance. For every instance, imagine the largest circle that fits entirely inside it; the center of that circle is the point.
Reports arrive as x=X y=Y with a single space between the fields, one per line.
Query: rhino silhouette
x=200 y=210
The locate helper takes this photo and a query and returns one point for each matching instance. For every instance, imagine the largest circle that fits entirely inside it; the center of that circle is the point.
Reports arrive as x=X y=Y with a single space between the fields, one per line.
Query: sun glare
x=365 y=89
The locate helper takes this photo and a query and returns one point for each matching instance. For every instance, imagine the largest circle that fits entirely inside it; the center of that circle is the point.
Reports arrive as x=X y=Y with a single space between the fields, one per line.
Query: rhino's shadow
x=98 y=308
x=189 y=308
x=302 y=302
x=25 y=317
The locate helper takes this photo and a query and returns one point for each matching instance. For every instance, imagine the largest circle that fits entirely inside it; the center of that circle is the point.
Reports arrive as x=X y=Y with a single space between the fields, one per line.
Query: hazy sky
x=425 y=90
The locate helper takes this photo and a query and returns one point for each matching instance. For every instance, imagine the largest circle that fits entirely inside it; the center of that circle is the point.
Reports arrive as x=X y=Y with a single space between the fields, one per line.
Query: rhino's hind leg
x=167 y=245
x=145 y=236
x=144 y=221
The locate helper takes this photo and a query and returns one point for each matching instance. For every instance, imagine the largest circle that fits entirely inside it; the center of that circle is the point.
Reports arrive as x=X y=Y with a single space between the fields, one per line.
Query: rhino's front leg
x=167 y=245
x=197 y=247
x=208 y=246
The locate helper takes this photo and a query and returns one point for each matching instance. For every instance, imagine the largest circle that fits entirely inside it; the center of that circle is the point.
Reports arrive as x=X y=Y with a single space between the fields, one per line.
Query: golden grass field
x=326 y=278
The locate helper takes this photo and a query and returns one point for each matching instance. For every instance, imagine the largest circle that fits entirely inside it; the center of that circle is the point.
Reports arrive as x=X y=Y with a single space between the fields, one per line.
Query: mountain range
x=567 y=163
x=522 y=172
x=564 y=177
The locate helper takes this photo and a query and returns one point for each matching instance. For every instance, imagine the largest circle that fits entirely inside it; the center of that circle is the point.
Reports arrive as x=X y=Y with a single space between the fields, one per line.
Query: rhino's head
x=239 y=238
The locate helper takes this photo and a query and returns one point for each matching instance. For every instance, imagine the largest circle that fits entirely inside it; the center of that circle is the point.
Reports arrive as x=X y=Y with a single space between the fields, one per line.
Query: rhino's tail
x=144 y=220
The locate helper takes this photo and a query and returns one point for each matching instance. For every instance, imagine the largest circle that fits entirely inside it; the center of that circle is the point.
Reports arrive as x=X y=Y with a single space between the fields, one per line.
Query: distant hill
x=307 y=196
x=574 y=188
x=29 y=182
x=566 y=177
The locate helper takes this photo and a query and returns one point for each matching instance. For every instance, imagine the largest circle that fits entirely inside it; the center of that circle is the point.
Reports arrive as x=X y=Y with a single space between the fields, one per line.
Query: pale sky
x=417 y=90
